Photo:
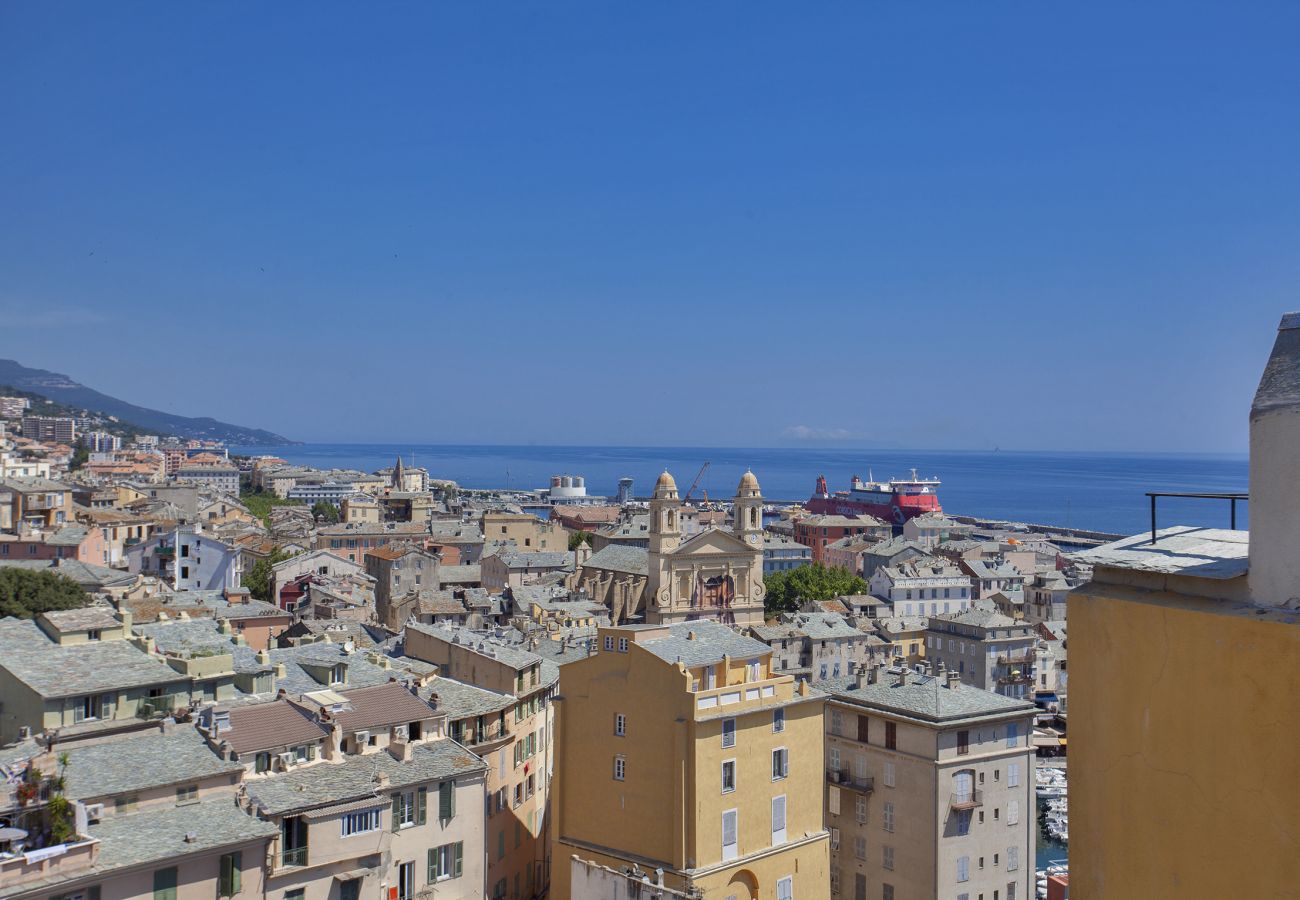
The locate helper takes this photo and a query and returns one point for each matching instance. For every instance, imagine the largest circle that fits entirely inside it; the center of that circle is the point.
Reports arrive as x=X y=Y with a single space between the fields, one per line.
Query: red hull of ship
x=898 y=510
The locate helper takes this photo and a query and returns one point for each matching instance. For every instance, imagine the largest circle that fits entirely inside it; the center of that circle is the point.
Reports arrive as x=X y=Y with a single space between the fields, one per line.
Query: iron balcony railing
x=967 y=799
x=845 y=778
x=294 y=856
x=1231 y=496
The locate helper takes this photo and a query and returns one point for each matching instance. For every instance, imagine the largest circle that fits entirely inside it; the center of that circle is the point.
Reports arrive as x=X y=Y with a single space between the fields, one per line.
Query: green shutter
x=446 y=800
x=397 y=812
x=231 y=864
x=421 y=804
x=432 y=872
x=457 y=861
x=164 y=884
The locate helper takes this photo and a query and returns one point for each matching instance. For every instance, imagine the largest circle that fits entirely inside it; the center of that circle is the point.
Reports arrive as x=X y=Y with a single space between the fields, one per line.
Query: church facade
x=716 y=574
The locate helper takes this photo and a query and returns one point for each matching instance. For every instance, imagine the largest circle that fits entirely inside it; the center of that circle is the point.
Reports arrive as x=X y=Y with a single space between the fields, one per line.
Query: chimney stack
x=1274 y=577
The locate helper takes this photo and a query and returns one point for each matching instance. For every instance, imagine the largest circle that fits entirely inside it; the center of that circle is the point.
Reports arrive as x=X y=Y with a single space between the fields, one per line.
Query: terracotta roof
x=382 y=705
x=269 y=726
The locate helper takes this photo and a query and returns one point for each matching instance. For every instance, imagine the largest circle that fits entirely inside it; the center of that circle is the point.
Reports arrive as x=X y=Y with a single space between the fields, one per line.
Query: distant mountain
x=63 y=389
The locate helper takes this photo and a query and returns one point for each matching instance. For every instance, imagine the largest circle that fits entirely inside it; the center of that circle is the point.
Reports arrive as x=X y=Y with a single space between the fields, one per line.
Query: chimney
x=859 y=676
x=954 y=678
x=902 y=676
x=1274 y=577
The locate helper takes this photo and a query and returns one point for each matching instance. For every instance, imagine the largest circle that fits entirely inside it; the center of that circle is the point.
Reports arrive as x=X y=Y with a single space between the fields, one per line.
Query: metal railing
x=844 y=778
x=967 y=800
x=294 y=856
x=1230 y=496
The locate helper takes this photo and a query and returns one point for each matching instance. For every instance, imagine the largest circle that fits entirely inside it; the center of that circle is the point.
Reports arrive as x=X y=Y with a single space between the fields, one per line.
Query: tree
x=323 y=509
x=260 y=579
x=24 y=593
x=80 y=456
x=788 y=590
x=576 y=538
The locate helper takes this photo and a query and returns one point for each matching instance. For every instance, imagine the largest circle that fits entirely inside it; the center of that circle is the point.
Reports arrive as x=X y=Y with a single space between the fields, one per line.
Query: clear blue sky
x=947 y=225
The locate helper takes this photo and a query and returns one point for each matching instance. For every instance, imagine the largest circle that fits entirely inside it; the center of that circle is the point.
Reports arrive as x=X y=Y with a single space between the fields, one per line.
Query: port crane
x=696 y=483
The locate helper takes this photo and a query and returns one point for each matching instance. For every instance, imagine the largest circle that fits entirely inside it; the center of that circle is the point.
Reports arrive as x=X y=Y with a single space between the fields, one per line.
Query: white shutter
x=889 y=774
x=963 y=868
x=785 y=888
x=778 y=819
x=729 y=834
x=833 y=800
x=1013 y=812
x=1013 y=774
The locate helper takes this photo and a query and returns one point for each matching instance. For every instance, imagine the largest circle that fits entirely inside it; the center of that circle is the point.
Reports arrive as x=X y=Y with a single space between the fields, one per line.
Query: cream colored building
x=516 y=743
x=528 y=532
x=930 y=788
x=714 y=574
x=681 y=750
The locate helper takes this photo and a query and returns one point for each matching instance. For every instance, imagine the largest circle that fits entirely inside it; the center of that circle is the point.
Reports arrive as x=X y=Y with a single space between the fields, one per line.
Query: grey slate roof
x=186 y=637
x=460 y=574
x=980 y=616
x=459 y=700
x=712 y=641
x=924 y=697
x=55 y=670
x=88 y=575
x=150 y=760
x=355 y=778
x=82 y=619
x=159 y=833
x=484 y=643
x=618 y=558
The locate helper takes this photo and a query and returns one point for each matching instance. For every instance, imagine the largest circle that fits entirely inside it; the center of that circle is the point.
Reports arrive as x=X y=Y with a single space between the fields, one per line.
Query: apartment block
x=54 y=429
x=681 y=750
x=929 y=788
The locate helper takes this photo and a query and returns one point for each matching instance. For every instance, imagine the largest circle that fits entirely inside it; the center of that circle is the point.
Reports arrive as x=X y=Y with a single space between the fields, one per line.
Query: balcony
x=296 y=856
x=967 y=800
x=844 y=778
x=1016 y=659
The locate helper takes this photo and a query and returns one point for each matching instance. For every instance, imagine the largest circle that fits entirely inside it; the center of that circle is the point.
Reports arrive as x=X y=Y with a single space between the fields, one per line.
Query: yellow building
x=681 y=750
x=1185 y=689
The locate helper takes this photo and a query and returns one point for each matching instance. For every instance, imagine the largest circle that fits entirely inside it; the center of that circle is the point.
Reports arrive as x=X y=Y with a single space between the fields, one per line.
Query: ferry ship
x=896 y=500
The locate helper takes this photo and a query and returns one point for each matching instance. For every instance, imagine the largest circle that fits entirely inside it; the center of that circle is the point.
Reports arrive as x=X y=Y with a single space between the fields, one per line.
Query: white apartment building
x=929 y=586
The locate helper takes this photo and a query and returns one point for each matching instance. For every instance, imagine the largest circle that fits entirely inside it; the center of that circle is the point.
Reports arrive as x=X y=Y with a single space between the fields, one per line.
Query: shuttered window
x=729 y=845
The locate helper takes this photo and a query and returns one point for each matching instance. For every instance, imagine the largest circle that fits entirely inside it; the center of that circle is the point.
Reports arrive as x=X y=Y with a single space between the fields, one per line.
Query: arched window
x=753 y=517
x=963 y=785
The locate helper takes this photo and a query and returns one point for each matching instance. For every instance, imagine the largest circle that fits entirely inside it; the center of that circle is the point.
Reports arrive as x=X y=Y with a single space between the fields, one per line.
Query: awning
x=324 y=812
x=1062 y=742
x=1045 y=697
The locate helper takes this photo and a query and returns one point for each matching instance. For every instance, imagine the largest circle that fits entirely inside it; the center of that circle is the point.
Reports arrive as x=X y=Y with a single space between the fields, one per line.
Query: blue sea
x=1099 y=491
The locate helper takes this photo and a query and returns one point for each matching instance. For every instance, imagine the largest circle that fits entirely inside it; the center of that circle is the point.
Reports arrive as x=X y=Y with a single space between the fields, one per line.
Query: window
x=963 y=743
x=164 y=884
x=728 y=732
x=887 y=821
x=835 y=758
x=822 y=671
x=860 y=810
x=1013 y=734
x=409 y=809
x=835 y=873
x=860 y=847
x=963 y=868
x=293 y=841
x=262 y=762
x=730 y=849
x=360 y=822
x=125 y=804
x=889 y=774
x=785 y=888
x=406 y=881
x=229 y=874
x=1013 y=774
x=1013 y=859
x=778 y=820
x=778 y=719
x=620 y=768
x=780 y=763
x=187 y=794
x=752 y=670
x=887 y=856
x=835 y=839
x=887 y=892
x=622 y=645
x=609 y=642
x=446 y=861
x=620 y=724
x=837 y=722
x=728 y=776
x=863 y=728
x=963 y=821
x=891 y=736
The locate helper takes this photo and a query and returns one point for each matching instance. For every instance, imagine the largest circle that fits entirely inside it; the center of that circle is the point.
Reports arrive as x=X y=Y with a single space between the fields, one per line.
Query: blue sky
x=943 y=225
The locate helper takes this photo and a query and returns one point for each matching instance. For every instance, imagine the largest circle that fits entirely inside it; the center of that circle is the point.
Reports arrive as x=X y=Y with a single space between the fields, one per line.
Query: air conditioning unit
x=94 y=812
x=400 y=732
x=362 y=738
x=284 y=760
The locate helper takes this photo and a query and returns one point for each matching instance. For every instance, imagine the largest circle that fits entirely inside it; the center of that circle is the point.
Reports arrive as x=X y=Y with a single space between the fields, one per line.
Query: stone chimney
x=1275 y=474
x=954 y=678
x=902 y=676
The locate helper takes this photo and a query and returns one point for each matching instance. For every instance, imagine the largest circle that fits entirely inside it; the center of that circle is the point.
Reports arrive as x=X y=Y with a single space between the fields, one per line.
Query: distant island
x=63 y=390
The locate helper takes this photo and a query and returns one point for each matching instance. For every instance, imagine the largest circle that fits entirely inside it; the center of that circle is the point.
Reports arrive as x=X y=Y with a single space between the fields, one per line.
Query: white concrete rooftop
x=1180 y=550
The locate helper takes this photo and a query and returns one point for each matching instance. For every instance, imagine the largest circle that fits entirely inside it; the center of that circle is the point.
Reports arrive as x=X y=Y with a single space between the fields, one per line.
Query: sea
x=1097 y=491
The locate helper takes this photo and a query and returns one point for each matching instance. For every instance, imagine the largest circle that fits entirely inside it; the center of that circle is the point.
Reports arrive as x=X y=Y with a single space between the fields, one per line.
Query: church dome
x=665 y=482
x=748 y=484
